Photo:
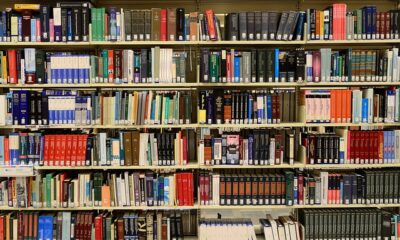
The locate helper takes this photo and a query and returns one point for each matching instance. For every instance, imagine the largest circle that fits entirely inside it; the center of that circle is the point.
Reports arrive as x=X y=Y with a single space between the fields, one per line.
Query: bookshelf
x=196 y=85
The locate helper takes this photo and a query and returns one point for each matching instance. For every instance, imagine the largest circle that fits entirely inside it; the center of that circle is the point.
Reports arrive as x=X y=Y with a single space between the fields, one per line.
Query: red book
x=6 y=151
x=211 y=24
x=179 y=188
x=38 y=30
x=57 y=150
x=12 y=66
x=228 y=67
x=191 y=189
x=185 y=151
x=335 y=27
x=110 y=67
x=68 y=149
x=51 y=150
x=63 y=146
x=98 y=227
x=185 y=189
x=206 y=190
x=316 y=62
x=387 y=25
x=163 y=15
x=62 y=178
x=376 y=147
x=82 y=150
x=2 y=227
x=74 y=149
x=300 y=181
x=380 y=153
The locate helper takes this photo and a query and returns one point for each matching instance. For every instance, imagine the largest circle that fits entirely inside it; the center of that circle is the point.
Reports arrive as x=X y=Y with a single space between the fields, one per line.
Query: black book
x=128 y=25
x=243 y=25
x=219 y=106
x=64 y=24
x=250 y=26
x=33 y=107
x=222 y=67
x=89 y=146
x=270 y=65
x=261 y=65
x=273 y=20
x=281 y=26
x=77 y=24
x=180 y=24
x=44 y=23
x=291 y=66
x=171 y=148
x=140 y=25
x=85 y=24
x=300 y=64
x=258 y=25
x=147 y=25
x=233 y=27
x=45 y=110
x=283 y=74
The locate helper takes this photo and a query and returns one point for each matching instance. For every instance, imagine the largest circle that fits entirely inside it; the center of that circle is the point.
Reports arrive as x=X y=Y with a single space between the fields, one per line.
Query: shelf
x=129 y=208
x=71 y=126
x=254 y=42
x=350 y=166
x=144 y=43
x=191 y=85
x=266 y=207
x=48 y=44
x=103 y=85
x=352 y=42
x=279 y=166
x=267 y=125
x=352 y=124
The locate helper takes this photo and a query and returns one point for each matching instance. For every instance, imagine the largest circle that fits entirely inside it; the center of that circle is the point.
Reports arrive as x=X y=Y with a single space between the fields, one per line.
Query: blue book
x=236 y=74
x=385 y=146
x=14 y=148
x=86 y=71
x=166 y=190
x=1 y=150
x=15 y=107
x=113 y=23
x=299 y=27
x=250 y=148
x=48 y=227
x=4 y=26
x=260 y=109
x=153 y=110
x=1 y=30
x=24 y=107
x=250 y=108
x=269 y=108
x=69 y=25
x=20 y=29
x=364 y=110
x=41 y=151
x=117 y=98
x=276 y=65
x=40 y=230
x=167 y=110
x=33 y=30
x=392 y=146
x=75 y=70
x=160 y=190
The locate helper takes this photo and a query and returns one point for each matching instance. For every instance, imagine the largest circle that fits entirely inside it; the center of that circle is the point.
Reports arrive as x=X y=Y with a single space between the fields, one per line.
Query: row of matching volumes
x=255 y=65
x=368 y=105
x=363 y=223
x=65 y=107
x=336 y=22
x=348 y=65
x=88 y=225
x=125 y=148
x=66 y=21
x=238 y=228
x=352 y=147
x=275 y=65
x=298 y=188
x=155 y=65
x=284 y=227
x=246 y=106
x=248 y=147
x=123 y=189
x=271 y=25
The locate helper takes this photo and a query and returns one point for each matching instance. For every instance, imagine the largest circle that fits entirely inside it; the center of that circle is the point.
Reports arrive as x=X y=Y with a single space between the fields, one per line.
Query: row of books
x=246 y=106
x=164 y=65
x=93 y=189
x=367 y=105
x=126 y=148
x=89 y=225
x=362 y=223
x=248 y=147
x=337 y=22
x=275 y=65
x=351 y=147
x=155 y=65
x=284 y=227
x=348 y=65
x=58 y=107
x=298 y=188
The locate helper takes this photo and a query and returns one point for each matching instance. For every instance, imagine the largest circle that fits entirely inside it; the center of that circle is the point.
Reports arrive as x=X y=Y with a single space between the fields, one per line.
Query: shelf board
x=279 y=166
x=103 y=85
x=128 y=208
x=144 y=43
x=43 y=44
x=352 y=124
x=266 y=207
x=189 y=166
x=351 y=42
x=350 y=166
x=254 y=42
x=267 y=125
x=72 y=126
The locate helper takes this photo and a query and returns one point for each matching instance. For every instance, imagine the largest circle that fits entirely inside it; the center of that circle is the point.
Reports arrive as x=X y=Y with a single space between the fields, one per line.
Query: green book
x=289 y=176
x=48 y=190
x=104 y=55
x=101 y=26
x=93 y=19
x=214 y=67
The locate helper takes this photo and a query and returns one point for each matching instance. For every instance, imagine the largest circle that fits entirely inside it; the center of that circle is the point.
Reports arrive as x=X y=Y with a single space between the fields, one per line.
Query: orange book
x=110 y=67
x=6 y=151
x=317 y=24
x=333 y=106
x=211 y=24
x=105 y=196
x=339 y=106
x=12 y=66
x=193 y=18
x=348 y=106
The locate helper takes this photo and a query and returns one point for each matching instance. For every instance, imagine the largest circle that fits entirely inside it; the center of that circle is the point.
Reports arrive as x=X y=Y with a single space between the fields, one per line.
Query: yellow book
x=201 y=116
x=321 y=25
x=24 y=6
x=4 y=74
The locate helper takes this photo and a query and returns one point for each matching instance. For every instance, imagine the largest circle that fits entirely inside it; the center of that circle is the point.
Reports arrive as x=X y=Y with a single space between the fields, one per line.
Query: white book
x=126 y=183
x=395 y=65
x=389 y=54
x=3 y=110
